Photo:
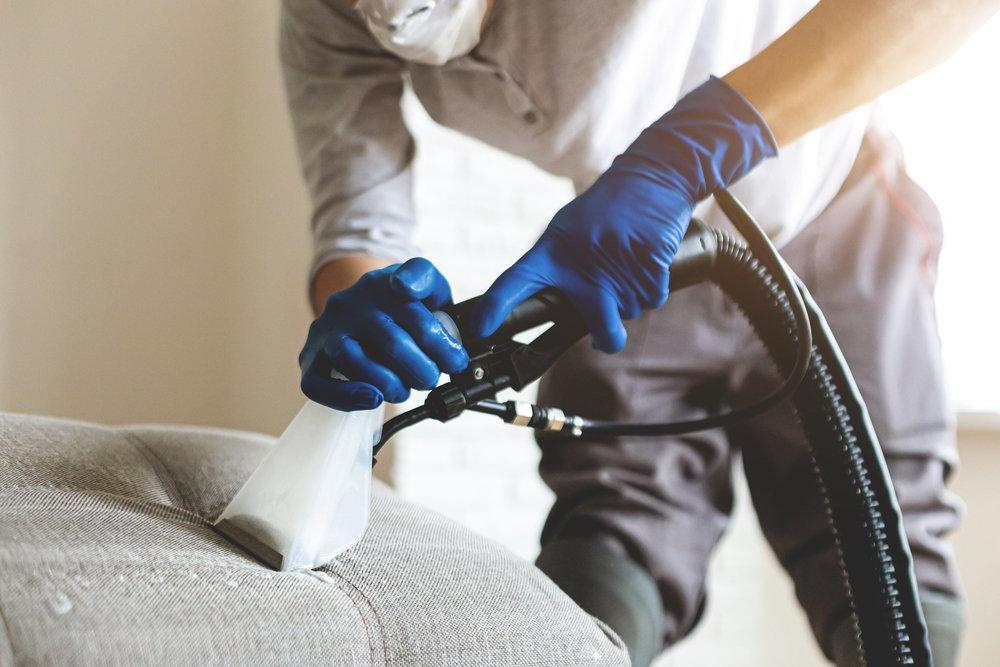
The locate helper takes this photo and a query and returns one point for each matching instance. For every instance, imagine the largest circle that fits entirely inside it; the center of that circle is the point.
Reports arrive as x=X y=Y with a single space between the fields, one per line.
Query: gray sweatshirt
x=565 y=84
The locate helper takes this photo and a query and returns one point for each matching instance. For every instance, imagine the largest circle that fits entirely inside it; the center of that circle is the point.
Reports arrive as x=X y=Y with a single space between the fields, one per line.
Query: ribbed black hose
x=861 y=505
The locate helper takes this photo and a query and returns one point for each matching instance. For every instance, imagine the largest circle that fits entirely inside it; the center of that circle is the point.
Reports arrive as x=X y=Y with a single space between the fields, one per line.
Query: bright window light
x=949 y=123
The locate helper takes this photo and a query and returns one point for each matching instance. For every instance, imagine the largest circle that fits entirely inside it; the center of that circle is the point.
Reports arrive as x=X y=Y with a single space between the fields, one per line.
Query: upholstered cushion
x=107 y=557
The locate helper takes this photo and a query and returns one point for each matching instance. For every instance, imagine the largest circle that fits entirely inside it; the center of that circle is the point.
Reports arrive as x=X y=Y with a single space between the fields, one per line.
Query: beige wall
x=152 y=224
x=976 y=543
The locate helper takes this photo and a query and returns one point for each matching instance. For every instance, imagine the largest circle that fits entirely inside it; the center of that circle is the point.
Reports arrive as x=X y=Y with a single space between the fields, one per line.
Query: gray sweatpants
x=869 y=260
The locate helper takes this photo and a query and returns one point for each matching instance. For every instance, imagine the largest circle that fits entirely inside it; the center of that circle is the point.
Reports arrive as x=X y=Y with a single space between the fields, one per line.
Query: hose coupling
x=522 y=413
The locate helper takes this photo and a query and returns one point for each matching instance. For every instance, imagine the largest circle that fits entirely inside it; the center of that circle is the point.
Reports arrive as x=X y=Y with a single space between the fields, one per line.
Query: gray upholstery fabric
x=106 y=557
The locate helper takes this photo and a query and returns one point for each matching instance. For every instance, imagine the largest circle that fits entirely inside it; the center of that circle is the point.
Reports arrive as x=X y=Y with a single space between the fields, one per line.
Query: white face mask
x=425 y=31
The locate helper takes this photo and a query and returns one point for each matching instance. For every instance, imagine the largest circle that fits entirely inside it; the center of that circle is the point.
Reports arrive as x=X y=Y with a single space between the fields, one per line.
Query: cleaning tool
x=863 y=514
x=308 y=500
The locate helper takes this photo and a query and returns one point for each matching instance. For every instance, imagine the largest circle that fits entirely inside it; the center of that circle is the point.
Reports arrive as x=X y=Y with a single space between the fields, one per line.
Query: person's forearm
x=339 y=274
x=845 y=53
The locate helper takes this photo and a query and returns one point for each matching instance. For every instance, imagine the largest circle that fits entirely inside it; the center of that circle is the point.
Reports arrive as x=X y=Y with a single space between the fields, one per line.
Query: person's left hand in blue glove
x=609 y=250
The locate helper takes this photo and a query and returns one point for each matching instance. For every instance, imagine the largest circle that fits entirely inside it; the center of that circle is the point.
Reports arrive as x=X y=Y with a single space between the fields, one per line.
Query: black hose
x=398 y=423
x=862 y=505
x=849 y=466
x=491 y=407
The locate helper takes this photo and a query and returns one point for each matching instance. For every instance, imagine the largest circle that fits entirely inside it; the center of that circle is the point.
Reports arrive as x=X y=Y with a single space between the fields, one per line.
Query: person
x=621 y=97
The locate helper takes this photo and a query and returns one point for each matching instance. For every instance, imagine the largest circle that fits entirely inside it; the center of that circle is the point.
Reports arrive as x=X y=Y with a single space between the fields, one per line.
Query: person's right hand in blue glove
x=382 y=336
x=610 y=249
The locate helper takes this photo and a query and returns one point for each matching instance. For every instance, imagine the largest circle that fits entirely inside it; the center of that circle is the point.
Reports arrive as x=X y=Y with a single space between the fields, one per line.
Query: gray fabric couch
x=107 y=557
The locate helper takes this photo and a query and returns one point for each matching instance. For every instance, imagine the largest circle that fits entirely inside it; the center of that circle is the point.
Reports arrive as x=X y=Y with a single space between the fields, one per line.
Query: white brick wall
x=479 y=210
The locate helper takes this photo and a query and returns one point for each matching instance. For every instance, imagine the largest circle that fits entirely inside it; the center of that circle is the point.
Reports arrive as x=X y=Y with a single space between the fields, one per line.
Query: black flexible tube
x=398 y=423
x=850 y=469
x=863 y=509
x=491 y=407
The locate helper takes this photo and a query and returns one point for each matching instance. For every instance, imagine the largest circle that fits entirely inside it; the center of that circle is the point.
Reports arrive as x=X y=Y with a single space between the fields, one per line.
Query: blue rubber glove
x=609 y=250
x=381 y=335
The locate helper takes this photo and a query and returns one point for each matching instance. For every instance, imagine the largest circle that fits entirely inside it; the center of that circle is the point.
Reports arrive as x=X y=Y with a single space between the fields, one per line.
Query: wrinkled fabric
x=107 y=557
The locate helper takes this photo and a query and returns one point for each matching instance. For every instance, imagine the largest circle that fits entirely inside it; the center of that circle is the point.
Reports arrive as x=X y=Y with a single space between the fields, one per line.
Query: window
x=949 y=123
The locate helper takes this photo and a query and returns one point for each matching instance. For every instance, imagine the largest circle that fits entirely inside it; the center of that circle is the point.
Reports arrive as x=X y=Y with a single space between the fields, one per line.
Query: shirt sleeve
x=344 y=94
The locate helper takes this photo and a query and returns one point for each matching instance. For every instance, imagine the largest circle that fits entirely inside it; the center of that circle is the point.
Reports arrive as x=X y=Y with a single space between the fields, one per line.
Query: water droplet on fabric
x=60 y=604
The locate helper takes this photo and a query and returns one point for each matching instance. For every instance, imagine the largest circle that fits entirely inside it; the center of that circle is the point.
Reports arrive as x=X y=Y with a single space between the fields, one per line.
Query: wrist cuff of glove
x=710 y=139
x=747 y=113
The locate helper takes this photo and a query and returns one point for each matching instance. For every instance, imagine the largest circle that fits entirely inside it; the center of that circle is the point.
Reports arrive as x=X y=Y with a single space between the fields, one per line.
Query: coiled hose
x=861 y=506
